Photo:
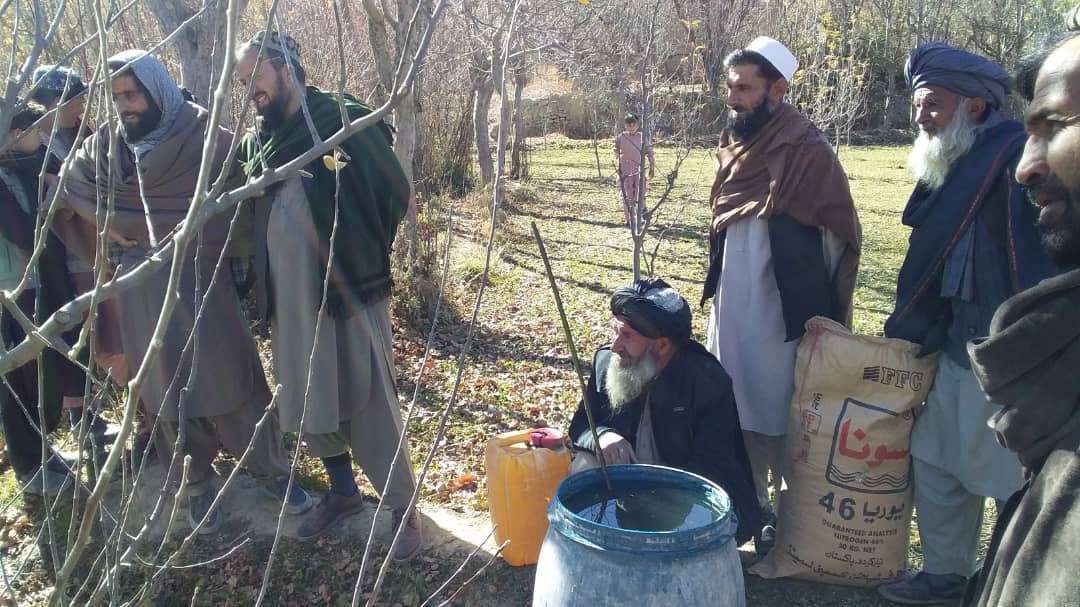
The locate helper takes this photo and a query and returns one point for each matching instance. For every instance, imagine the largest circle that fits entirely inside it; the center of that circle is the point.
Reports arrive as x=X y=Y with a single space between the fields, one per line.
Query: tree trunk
x=519 y=168
x=596 y=143
x=406 y=121
x=406 y=115
x=505 y=120
x=195 y=45
x=481 y=110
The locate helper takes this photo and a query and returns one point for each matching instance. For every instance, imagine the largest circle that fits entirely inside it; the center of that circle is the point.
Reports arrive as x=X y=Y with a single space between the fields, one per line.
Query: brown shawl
x=1030 y=365
x=168 y=181
x=788 y=168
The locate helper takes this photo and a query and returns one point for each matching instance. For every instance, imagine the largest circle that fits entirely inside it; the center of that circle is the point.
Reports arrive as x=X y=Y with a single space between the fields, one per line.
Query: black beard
x=147 y=122
x=745 y=128
x=274 y=114
x=1062 y=239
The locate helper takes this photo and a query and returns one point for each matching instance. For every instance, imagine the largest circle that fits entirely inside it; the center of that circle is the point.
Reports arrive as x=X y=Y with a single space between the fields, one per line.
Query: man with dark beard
x=1029 y=363
x=784 y=247
x=658 y=397
x=973 y=244
x=339 y=390
x=206 y=389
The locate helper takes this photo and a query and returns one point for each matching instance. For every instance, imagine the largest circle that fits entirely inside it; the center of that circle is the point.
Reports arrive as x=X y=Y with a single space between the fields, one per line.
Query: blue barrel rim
x=664 y=544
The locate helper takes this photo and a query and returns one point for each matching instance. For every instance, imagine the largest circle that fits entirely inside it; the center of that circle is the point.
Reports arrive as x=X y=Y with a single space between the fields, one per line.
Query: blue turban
x=938 y=64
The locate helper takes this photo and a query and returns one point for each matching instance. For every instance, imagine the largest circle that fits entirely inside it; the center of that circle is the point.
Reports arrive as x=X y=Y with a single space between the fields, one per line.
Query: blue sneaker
x=198 y=505
x=298 y=501
x=925 y=589
x=48 y=480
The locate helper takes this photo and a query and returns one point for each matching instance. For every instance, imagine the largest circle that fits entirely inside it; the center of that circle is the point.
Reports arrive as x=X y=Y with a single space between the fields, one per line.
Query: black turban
x=964 y=73
x=653 y=309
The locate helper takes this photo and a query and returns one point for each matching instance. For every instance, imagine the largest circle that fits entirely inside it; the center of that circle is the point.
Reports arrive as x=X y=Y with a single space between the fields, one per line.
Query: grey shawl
x=219 y=369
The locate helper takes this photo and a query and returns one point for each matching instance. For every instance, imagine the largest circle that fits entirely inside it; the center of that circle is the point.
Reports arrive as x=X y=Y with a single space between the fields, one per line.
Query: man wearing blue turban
x=973 y=244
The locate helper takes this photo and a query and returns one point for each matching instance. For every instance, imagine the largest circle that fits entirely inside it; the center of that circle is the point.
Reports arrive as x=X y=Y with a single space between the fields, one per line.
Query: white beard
x=932 y=157
x=624 y=384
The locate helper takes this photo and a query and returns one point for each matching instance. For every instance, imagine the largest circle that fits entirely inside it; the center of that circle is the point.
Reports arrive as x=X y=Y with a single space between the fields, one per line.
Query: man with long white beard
x=973 y=244
x=658 y=397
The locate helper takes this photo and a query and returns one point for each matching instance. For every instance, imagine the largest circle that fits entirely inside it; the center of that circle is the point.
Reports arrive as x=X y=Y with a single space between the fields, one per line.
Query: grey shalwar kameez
x=348 y=383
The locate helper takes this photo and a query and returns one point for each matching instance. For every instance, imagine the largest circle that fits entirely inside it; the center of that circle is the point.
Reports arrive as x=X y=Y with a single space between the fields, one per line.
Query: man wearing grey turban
x=659 y=397
x=206 y=389
x=973 y=244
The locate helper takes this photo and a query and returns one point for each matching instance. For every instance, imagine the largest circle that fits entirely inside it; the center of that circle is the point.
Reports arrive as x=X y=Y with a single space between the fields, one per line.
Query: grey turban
x=964 y=73
x=163 y=91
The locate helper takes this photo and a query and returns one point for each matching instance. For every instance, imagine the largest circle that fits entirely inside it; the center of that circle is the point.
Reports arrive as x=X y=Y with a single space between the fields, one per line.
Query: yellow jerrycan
x=521 y=480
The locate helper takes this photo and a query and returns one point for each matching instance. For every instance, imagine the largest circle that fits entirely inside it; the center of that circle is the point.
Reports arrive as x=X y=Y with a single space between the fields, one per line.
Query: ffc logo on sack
x=860 y=464
x=894 y=377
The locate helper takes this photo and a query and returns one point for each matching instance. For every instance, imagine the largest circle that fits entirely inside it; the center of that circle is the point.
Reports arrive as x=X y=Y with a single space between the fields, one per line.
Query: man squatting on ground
x=211 y=391
x=350 y=410
x=1029 y=362
x=628 y=157
x=659 y=397
x=973 y=244
x=784 y=247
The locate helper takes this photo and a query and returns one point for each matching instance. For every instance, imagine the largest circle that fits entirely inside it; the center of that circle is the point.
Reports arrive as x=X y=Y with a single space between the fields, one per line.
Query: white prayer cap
x=777 y=54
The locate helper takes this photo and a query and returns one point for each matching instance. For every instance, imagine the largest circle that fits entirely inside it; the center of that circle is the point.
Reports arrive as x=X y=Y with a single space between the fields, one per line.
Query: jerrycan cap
x=549 y=438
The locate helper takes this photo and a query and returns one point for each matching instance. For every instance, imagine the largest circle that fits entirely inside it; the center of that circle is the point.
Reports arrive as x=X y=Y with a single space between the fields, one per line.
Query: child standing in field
x=628 y=157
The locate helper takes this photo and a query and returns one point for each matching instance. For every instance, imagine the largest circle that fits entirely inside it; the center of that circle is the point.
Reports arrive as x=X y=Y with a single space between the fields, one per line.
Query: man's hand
x=122 y=240
x=616 y=449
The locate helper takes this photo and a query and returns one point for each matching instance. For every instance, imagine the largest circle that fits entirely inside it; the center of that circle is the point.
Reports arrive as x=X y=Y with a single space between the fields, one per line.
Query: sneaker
x=766 y=537
x=50 y=483
x=332 y=509
x=925 y=589
x=62 y=461
x=100 y=432
x=143 y=444
x=412 y=537
x=198 y=505
x=298 y=501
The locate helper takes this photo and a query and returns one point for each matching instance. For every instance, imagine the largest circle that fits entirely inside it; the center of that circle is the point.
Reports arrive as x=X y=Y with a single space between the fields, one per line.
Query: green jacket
x=369 y=195
x=14 y=223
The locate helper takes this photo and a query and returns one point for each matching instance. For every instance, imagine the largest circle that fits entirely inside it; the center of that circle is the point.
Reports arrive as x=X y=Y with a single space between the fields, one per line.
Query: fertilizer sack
x=844 y=515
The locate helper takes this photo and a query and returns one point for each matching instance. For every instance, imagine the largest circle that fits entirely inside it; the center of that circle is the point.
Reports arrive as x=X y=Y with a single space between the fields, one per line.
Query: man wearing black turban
x=973 y=244
x=659 y=397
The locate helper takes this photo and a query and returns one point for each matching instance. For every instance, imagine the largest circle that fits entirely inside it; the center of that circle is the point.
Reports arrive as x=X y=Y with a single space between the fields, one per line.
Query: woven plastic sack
x=845 y=514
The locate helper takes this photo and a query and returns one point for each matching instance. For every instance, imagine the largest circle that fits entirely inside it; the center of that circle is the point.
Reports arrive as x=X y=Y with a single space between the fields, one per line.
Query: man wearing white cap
x=784 y=247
